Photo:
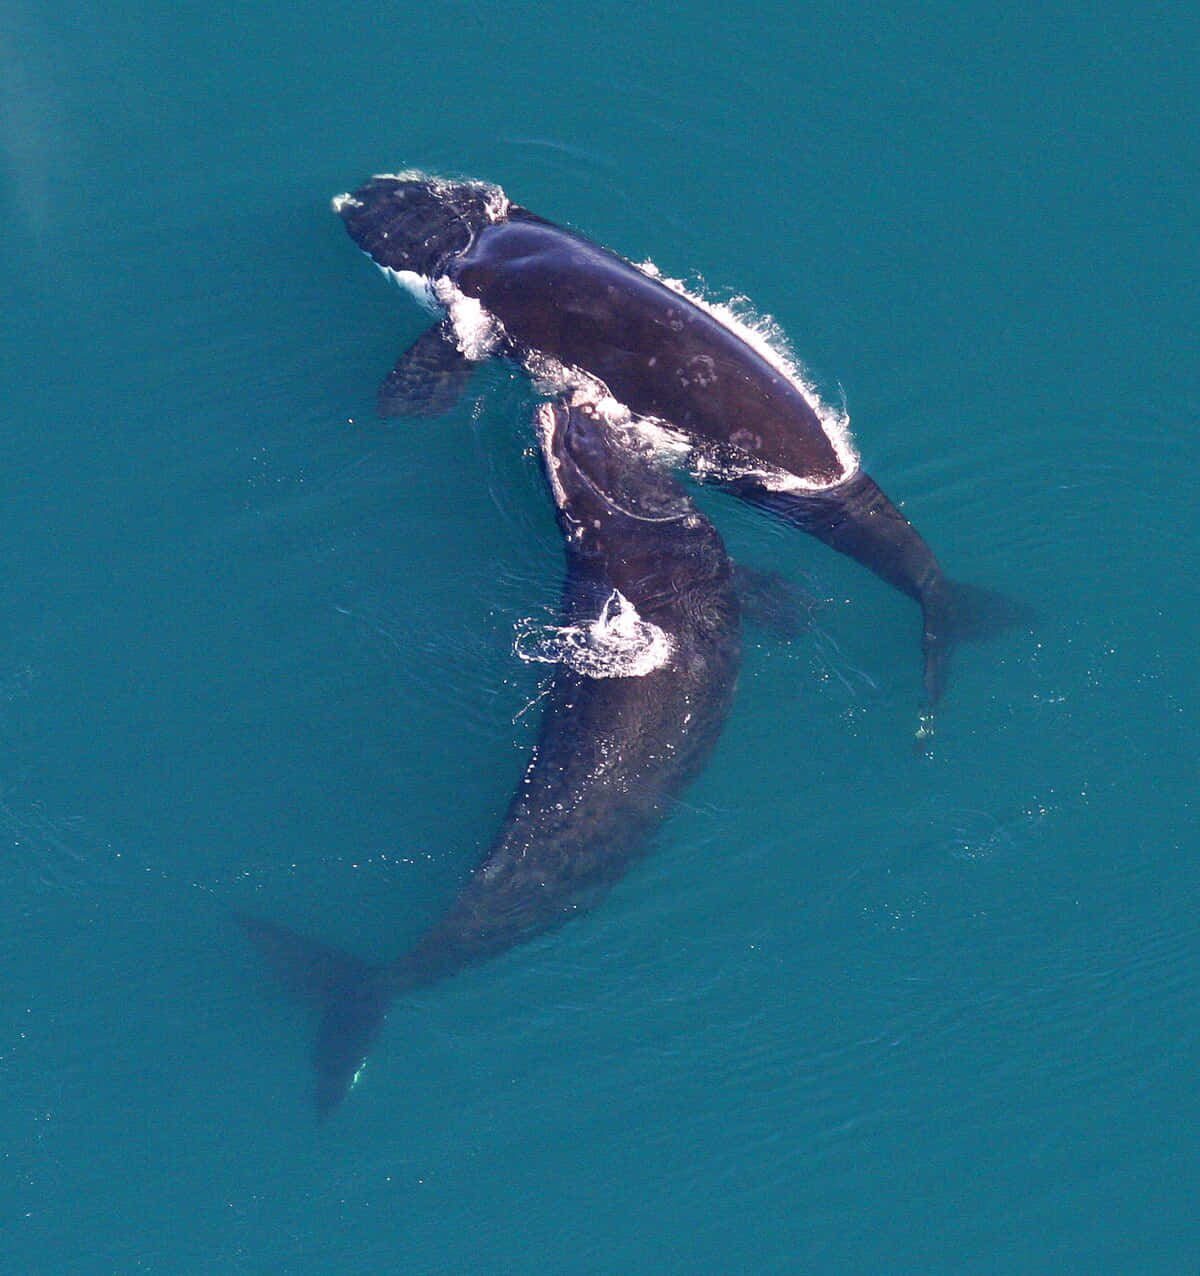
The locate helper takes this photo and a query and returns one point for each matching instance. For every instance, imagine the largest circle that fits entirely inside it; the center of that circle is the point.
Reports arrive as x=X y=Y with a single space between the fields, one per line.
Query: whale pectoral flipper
x=429 y=377
x=772 y=602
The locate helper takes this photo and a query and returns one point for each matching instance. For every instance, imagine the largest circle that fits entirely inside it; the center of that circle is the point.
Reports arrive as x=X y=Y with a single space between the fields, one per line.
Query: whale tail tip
x=347 y=995
x=954 y=613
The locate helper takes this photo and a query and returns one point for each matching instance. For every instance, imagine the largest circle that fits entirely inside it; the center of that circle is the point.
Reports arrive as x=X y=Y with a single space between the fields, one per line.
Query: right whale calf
x=645 y=659
x=513 y=284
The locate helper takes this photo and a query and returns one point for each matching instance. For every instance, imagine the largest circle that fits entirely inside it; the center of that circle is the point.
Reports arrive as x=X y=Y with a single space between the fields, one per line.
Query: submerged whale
x=513 y=284
x=647 y=655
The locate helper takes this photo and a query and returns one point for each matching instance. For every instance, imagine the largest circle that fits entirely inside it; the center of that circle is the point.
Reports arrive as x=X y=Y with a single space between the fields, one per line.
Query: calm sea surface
x=861 y=1010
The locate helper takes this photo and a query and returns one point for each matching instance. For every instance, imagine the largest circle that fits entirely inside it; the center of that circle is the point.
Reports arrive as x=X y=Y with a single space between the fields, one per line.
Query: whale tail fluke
x=347 y=994
x=857 y=519
x=954 y=613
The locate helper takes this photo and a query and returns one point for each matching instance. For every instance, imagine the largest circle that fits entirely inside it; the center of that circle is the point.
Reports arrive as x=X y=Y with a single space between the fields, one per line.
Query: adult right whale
x=645 y=660
x=516 y=285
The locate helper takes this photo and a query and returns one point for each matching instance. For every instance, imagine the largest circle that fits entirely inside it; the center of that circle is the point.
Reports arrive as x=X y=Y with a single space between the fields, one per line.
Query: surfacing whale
x=647 y=650
x=512 y=284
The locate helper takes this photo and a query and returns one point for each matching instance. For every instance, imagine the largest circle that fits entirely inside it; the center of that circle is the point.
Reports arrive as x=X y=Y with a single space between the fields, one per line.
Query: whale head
x=601 y=473
x=413 y=223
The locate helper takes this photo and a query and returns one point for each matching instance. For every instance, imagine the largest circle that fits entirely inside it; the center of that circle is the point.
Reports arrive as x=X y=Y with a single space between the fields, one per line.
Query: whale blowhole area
x=617 y=644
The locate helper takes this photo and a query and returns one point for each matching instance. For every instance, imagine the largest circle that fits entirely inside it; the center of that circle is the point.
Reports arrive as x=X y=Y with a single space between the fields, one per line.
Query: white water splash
x=617 y=644
x=477 y=332
x=418 y=287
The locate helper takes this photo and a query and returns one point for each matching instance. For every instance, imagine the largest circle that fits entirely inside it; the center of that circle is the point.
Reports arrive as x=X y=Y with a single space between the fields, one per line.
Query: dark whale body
x=646 y=570
x=556 y=295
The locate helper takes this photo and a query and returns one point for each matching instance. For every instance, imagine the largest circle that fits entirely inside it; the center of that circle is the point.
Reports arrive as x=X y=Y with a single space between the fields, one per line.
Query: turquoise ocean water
x=861 y=1010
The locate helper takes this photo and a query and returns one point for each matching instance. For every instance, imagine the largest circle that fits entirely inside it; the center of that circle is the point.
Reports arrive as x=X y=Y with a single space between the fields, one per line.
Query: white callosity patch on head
x=617 y=644
x=496 y=202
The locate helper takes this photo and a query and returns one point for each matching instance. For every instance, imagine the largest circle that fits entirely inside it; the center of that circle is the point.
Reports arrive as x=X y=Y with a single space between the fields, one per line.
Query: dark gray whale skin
x=558 y=294
x=612 y=752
